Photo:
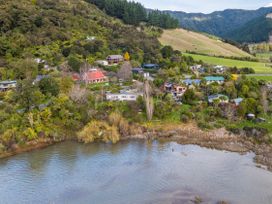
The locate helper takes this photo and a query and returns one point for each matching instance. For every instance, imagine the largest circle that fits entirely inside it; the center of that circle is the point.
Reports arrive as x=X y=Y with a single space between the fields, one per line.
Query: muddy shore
x=219 y=139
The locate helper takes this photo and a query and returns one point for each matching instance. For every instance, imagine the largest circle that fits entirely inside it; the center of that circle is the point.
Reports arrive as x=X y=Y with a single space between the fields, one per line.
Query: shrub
x=98 y=131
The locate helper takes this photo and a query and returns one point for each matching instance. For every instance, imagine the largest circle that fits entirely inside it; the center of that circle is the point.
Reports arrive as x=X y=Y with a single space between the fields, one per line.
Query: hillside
x=256 y=30
x=57 y=30
x=219 y=23
x=184 y=40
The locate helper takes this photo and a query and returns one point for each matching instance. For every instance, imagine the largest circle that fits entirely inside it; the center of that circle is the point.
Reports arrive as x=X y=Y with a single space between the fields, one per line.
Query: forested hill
x=57 y=30
x=256 y=30
x=134 y=13
x=220 y=23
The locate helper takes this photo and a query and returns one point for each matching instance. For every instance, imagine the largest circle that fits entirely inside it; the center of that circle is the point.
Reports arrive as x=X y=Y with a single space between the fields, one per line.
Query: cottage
x=137 y=70
x=6 y=85
x=190 y=82
x=94 y=76
x=150 y=66
x=39 y=78
x=124 y=95
x=102 y=62
x=237 y=101
x=177 y=91
x=198 y=68
x=215 y=79
x=220 y=97
x=219 y=69
x=115 y=59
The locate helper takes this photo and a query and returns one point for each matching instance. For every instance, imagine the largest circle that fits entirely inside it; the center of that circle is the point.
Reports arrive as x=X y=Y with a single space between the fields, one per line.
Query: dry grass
x=184 y=40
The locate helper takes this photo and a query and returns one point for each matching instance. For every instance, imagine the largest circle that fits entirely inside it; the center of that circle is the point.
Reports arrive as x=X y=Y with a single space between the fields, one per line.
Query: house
x=39 y=78
x=198 y=68
x=124 y=95
x=6 y=85
x=137 y=70
x=219 y=69
x=214 y=79
x=220 y=97
x=190 y=82
x=115 y=59
x=94 y=76
x=102 y=62
x=237 y=101
x=150 y=66
x=177 y=91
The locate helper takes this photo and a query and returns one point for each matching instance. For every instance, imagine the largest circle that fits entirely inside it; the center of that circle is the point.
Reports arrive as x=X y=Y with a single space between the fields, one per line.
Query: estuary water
x=133 y=173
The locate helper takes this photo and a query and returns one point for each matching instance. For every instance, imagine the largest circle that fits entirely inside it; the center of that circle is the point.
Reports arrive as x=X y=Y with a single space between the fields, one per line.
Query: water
x=132 y=173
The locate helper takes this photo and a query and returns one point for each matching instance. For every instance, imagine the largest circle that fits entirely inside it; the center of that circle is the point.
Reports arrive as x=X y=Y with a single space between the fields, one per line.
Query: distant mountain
x=256 y=30
x=223 y=23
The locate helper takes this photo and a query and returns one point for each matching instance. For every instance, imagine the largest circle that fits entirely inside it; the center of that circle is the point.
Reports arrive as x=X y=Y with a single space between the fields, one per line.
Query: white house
x=124 y=95
x=6 y=85
x=102 y=62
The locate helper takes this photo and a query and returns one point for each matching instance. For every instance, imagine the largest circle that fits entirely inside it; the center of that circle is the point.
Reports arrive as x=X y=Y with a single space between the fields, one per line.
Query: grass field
x=264 y=56
x=184 y=40
x=265 y=78
x=259 y=67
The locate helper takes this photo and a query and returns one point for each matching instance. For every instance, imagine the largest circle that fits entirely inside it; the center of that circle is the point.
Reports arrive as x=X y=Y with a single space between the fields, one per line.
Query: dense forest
x=134 y=13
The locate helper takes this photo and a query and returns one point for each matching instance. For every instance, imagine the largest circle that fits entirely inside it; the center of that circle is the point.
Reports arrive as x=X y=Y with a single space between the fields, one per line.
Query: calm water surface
x=132 y=173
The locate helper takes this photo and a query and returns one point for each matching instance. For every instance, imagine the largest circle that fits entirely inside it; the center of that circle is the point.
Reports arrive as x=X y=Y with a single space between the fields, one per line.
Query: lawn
x=261 y=77
x=259 y=67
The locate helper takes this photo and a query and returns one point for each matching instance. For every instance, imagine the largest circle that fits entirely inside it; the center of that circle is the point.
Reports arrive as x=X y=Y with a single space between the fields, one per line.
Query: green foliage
x=27 y=95
x=134 y=13
x=49 y=86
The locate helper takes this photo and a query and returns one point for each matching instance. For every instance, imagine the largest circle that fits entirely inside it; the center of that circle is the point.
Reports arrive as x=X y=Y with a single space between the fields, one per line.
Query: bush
x=98 y=131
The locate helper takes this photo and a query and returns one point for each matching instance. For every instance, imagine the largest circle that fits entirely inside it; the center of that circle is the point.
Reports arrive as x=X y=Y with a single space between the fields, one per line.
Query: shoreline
x=185 y=134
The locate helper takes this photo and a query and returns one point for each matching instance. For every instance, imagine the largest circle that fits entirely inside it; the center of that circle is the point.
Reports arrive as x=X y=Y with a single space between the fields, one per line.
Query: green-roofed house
x=217 y=79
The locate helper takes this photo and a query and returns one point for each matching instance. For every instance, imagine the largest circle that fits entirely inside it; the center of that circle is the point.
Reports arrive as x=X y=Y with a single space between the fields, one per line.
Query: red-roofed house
x=94 y=76
x=75 y=77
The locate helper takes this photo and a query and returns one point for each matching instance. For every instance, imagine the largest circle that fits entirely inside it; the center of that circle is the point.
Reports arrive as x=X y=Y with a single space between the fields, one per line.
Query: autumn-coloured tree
x=127 y=56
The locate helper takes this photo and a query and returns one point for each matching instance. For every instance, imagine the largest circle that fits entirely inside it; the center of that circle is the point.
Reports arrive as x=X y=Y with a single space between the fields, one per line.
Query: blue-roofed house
x=189 y=82
x=39 y=78
x=222 y=98
x=215 y=79
x=237 y=101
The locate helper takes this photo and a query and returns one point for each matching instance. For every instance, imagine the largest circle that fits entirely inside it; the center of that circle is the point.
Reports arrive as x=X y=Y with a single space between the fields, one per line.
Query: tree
x=49 y=86
x=74 y=62
x=264 y=100
x=167 y=51
x=189 y=96
x=28 y=95
x=125 y=72
x=25 y=68
x=149 y=104
x=127 y=56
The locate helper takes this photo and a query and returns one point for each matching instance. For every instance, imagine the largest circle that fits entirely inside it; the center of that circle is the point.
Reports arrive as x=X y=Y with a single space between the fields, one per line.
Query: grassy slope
x=259 y=67
x=184 y=40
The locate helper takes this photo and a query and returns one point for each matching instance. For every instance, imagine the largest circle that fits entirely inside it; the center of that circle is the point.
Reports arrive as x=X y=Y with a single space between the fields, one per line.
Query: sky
x=204 y=6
